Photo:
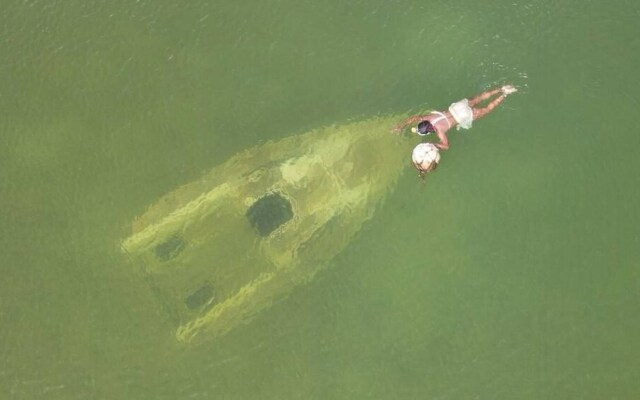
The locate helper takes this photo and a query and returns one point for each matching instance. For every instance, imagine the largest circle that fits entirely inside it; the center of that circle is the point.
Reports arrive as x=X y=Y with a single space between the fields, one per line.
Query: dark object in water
x=269 y=212
x=200 y=297
x=170 y=248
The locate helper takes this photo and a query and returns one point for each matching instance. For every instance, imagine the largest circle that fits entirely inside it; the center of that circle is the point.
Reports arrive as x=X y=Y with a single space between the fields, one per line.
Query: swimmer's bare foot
x=508 y=89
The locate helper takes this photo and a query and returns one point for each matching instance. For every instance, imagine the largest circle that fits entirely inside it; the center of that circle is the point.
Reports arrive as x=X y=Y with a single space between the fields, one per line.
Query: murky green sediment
x=511 y=273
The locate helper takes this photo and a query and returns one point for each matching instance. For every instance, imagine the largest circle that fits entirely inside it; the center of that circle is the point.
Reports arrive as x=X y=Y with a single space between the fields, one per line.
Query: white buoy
x=425 y=154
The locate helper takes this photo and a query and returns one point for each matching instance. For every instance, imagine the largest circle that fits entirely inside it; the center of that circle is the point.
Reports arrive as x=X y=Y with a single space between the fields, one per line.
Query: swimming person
x=460 y=114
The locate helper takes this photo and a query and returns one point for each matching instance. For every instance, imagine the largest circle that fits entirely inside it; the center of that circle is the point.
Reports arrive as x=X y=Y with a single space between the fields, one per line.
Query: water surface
x=512 y=273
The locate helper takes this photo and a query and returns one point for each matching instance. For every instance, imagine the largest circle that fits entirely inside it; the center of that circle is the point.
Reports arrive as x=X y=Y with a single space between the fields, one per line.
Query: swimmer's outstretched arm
x=411 y=120
x=444 y=141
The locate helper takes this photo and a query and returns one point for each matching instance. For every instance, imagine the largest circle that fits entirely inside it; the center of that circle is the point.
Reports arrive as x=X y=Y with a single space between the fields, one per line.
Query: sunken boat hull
x=221 y=249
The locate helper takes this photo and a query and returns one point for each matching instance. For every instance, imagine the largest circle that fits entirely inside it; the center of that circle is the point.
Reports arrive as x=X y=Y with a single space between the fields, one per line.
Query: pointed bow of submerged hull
x=225 y=247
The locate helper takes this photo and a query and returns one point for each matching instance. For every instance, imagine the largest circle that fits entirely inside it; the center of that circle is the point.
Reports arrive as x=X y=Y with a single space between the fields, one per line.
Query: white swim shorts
x=462 y=113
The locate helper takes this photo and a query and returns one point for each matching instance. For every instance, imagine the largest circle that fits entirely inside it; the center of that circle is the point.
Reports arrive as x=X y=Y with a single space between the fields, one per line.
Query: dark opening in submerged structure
x=269 y=212
x=170 y=248
x=200 y=297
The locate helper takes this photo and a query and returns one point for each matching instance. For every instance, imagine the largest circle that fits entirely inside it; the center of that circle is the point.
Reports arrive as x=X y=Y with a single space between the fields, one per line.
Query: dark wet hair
x=425 y=128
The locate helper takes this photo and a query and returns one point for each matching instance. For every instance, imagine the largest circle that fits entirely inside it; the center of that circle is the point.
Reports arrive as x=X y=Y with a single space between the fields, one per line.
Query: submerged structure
x=221 y=249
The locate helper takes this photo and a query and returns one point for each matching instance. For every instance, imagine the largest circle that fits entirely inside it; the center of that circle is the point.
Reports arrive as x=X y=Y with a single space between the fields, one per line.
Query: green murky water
x=512 y=274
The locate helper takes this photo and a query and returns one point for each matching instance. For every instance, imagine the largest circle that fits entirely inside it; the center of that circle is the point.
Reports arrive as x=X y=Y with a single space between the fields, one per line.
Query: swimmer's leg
x=484 y=96
x=482 y=111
